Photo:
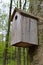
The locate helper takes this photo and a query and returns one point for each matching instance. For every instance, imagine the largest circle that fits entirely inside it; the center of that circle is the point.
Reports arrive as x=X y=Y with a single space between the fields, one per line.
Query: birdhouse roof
x=24 y=13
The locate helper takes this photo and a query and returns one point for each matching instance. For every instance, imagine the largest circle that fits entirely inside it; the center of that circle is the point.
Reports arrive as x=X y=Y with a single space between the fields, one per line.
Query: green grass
x=11 y=50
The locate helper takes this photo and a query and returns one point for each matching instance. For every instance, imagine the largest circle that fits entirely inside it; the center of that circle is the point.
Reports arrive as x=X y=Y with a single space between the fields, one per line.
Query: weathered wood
x=24 y=31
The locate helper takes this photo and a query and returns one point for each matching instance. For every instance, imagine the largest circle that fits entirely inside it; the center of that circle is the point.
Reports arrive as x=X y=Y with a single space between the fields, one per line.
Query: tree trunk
x=37 y=6
x=7 y=37
x=24 y=6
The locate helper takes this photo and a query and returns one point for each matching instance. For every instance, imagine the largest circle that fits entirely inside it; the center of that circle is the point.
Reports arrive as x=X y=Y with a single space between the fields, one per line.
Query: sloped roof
x=24 y=13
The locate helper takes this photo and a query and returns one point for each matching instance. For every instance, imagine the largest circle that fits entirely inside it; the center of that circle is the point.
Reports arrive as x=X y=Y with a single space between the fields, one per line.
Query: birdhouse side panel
x=16 y=29
x=33 y=32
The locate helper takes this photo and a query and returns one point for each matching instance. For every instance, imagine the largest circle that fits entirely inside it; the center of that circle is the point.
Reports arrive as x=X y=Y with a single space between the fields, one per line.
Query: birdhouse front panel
x=24 y=31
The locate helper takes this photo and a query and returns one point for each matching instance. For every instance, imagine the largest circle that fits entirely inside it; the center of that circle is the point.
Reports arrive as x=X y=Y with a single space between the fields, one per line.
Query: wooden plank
x=24 y=31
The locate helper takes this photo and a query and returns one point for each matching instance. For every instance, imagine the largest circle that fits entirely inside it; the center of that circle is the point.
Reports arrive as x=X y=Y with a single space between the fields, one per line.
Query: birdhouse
x=24 y=29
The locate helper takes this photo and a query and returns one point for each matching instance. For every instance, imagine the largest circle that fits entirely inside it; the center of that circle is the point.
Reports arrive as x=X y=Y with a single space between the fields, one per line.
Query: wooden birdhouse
x=24 y=29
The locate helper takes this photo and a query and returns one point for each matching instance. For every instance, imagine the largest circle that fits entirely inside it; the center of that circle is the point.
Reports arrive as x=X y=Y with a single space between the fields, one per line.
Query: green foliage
x=12 y=53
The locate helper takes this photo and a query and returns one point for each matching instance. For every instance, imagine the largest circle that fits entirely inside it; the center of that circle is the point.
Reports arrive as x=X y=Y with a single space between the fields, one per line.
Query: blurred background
x=10 y=55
